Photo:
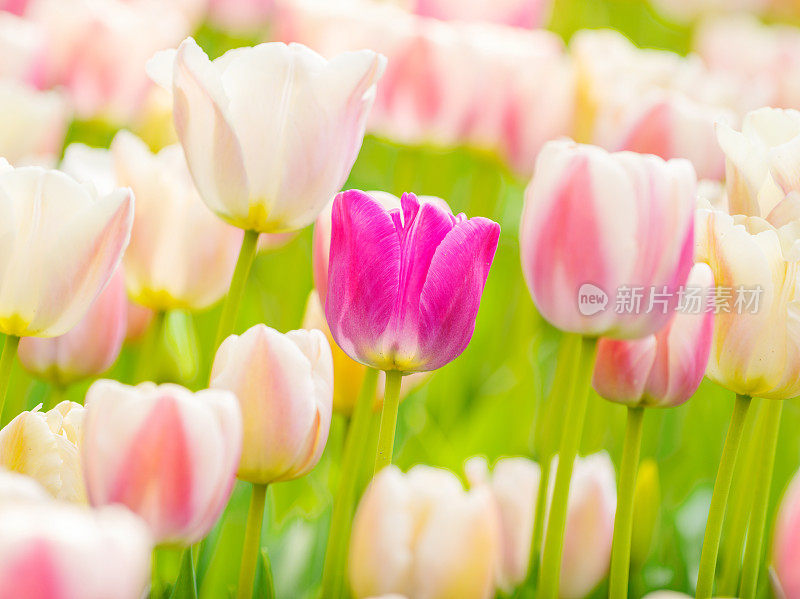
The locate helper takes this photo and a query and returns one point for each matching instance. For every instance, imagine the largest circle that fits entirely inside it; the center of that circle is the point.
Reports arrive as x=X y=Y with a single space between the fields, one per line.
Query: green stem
x=355 y=447
x=570 y=442
x=768 y=443
x=538 y=519
x=155 y=575
x=148 y=349
x=6 y=362
x=391 y=403
x=252 y=541
x=623 y=522
x=741 y=503
x=719 y=498
x=227 y=321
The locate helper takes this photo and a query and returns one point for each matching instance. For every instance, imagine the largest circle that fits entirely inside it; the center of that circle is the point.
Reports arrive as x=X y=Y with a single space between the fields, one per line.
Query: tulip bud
x=57 y=550
x=596 y=224
x=646 y=510
x=89 y=348
x=514 y=484
x=18 y=488
x=284 y=384
x=421 y=535
x=664 y=369
x=45 y=446
x=166 y=453
x=756 y=343
x=61 y=244
x=405 y=285
x=165 y=266
x=786 y=543
x=302 y=99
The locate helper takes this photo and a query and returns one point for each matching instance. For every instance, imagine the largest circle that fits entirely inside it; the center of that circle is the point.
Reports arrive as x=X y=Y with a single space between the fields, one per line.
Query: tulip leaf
x=186 y=585
x=265 y=586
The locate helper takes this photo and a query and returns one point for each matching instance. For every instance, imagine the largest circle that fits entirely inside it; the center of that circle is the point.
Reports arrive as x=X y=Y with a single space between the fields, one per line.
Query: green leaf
x=186 y=585
x=265 y=587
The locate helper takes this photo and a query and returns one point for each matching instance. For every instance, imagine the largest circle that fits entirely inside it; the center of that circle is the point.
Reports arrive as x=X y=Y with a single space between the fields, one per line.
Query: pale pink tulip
x=240 y=15
x=21 y=48
x=19 y=488
x=515 y=13
x=421 y=535
x=89 y=348
x=786 y=544
x=404 y=285
x=62 y=551
x=181 y=256
x=688 y=10
x=90 y=165
x=284 y=384
x=139 y=318
x=269 y=165
x=32 y=124
x=166 y=453
x=46 y=447
x=596 y=224
x=664 y=369
x=60 y=245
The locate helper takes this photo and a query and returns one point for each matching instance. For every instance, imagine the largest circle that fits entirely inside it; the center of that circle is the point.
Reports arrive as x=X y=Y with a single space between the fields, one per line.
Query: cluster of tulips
x=664 y=248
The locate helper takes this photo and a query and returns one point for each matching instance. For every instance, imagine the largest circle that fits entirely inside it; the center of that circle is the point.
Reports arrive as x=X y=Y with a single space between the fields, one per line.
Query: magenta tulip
x=404 y=285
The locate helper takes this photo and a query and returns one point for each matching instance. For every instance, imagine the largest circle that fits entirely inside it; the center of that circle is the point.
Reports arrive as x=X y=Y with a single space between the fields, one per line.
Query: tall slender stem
x=741 y=503
x=719 y=498
x=768 y=443
x=6 y=362
x=227 y=321
x=354 y=449
x=252 y=541
x=623 y=522
x=391 y=403
x=570 y=442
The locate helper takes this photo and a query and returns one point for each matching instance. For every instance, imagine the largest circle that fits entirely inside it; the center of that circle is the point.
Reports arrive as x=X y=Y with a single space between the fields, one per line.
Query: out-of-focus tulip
x=166 y=453
x=240 y=15
x=404 y=286
x=56 y=550
x=756 y=344
x=166 y=267
x=16 y=7
x=89 y=348
x=21 y=45
x=284 y=383
x=591 y=507
x=45 y=446
x=310 y=114
x=663 y=369
x=139 y=319
x=786 y=544
x=348 y=375
x=60 y=245
x=687 y=10
x=33 y=124
x=597 y=224
x=514 y=483
x=97 y=51
x=515 y=13
x=16 y=487
x=90 y=165
x=762 y=162
x=421 y=535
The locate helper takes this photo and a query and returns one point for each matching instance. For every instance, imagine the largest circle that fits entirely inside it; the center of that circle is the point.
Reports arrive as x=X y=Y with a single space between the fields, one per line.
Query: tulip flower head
x=663 y=369
x=166 y=267
x=60 y=245
x=284 y=384
x=57 y=550
x=166 y=453
x=404 y=286
x=786 y=544
x=89 y=348
x=271 y=132
x=20 y=488
x=421 y=535
x=596 y=224
x=515 y=13
x=46 y=447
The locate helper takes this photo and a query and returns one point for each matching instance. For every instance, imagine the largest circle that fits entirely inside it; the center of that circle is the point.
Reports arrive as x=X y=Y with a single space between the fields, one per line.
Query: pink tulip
x=166 y=453
x=664 y=369
x=240 y=15
x=89 y=348
x=786 y=544
x=21 y=48
x=139 y=319
x=16 y=7
x=404 y=286
x=284 y=384
x=515 y=13
x=600 y=229
x=59 y=551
